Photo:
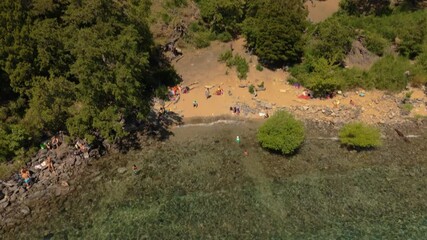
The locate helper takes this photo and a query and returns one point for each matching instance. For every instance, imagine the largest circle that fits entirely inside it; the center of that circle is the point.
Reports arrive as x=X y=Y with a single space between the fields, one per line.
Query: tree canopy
x=274 y=30
x=84 y=66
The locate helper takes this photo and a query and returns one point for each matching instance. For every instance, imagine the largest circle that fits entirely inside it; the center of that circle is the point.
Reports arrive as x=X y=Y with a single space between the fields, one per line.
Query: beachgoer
x=135 y=169
x=25 y=174
x=238 y=111
x=49 y=164
x=231 y=109
x=351 y=102
x=195 y=104
x=234 y=110
x=266 y=115
x=207 y=93
x=238 y=139
x=55 y=142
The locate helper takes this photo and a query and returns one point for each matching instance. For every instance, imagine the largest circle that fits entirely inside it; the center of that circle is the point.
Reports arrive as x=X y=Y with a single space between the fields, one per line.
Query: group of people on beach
x=235 y=110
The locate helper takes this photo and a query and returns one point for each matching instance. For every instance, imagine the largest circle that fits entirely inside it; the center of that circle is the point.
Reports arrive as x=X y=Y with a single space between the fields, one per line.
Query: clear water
x=200 y=185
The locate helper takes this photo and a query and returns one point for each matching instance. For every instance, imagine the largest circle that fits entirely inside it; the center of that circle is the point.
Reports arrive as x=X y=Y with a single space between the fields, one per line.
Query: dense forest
x=89 y=67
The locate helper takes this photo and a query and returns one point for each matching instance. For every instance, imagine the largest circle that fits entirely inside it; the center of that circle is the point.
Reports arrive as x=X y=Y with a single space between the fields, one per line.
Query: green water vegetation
x=201 y=184
x=281 y=133
x=360 y=136
x=86 y=67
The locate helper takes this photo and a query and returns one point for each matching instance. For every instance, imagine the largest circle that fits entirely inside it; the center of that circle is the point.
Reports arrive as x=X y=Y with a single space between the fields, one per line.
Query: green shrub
x=322 y=87
x=389 y=73
x=226 y=57
x=239 y=62
x=251 y=89
x=259 y=67
x=242 y=67
x=166 y=18
x=375 y=43
x=407 y=107
x=359 y=136
x=419 y=80
x=202 y=39
x=224 y=37
x=282 y=133
x=175 y=3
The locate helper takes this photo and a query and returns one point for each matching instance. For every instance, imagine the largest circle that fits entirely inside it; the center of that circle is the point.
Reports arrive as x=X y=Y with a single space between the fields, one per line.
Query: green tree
x=223 y=15
x=359 y=135
x=16 y=51
x=274 y=30
x=281 y=132
x=48 y=106
x=334 y=40
x=365 y=7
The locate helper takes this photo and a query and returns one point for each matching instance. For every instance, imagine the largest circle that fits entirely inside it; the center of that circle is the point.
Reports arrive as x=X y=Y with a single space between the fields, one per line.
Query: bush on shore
x=360 y=136
x=281 y=133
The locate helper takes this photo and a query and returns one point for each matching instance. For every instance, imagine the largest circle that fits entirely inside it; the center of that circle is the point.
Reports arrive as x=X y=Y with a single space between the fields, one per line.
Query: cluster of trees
x=273 y=29
x=82 y=66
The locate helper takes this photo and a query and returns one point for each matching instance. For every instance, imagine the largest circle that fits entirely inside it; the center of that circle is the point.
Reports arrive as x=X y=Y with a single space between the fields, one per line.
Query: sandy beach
x=200 y=68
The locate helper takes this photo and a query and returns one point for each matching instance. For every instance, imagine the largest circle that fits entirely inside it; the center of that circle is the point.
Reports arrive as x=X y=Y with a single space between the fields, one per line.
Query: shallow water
x=199 y=184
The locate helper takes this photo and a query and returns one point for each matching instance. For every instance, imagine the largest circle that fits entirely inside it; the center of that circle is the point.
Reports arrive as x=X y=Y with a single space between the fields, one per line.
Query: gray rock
x=70 y=160
x=97 y=179
x=121 y=170
x=4 y=204
x=78 y=161
x=10 y=183
x=25 y=210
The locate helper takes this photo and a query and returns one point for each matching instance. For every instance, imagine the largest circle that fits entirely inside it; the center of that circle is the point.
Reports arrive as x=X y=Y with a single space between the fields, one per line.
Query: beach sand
x=320 y=10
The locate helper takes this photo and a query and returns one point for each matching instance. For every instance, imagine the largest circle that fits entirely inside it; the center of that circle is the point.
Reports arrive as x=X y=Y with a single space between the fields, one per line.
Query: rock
x=64 y=184
x=121 y=170
x=78 y=161
x=38 y=194
x=25 y=210
x=71 y=160
x=4 y=203
x=10 y=183
x=97 y=179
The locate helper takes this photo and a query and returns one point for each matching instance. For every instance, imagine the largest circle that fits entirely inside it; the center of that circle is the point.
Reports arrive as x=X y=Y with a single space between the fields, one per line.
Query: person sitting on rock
x=25 y=174
x=55 y=142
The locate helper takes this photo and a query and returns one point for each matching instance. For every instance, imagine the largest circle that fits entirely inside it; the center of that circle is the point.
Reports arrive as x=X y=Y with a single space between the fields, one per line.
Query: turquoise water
x=200 y=185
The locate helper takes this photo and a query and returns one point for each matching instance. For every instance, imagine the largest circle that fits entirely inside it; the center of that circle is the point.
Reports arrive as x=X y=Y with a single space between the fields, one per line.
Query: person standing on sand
x=135 y=169
x=207 y=93
x=195 y=104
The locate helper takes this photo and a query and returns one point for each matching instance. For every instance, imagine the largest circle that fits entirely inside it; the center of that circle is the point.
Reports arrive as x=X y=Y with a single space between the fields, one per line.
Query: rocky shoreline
x=16 y=201
x=17 y=204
